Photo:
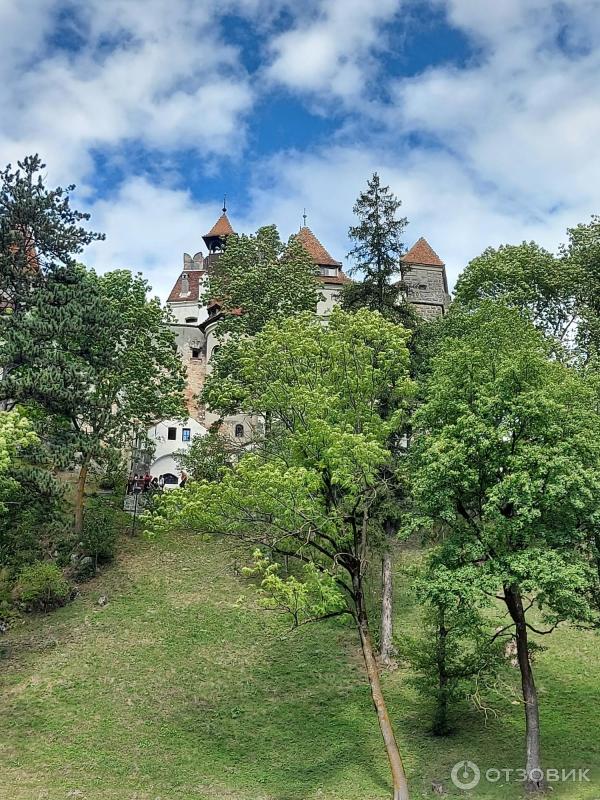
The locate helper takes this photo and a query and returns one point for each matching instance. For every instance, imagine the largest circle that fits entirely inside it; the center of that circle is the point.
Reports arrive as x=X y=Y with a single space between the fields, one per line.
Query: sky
x=483 y=116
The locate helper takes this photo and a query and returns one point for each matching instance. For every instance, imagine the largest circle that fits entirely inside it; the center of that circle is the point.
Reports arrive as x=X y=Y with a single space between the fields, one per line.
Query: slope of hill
x=175 y=691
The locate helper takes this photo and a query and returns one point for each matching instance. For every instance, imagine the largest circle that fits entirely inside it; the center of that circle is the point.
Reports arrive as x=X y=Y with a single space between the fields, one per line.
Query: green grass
x=177 y=691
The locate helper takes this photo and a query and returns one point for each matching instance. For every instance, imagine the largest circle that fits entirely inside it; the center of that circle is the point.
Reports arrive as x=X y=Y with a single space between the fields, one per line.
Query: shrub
x=42 y=586
x=100 y=530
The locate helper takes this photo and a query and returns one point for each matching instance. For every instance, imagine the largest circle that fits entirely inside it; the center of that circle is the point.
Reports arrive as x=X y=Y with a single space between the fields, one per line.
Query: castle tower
x=330 y=274
x=216 y=238
x=424 y=275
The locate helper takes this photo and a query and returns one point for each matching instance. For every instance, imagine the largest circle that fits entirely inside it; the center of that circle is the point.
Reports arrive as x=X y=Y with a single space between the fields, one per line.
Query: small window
x=215 y=350
x=172 y=433
x=191 y=319
x=186 y=435
x=239 y=431
x=195 y=352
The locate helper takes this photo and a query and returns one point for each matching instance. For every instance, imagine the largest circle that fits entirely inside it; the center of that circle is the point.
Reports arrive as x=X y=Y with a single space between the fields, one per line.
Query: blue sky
x=483 y=116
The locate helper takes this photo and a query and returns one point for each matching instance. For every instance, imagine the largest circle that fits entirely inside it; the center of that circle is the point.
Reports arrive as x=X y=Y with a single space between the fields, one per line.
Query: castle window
x=172 y=433
x=186 y=435
x=191 y=319
x=195 y=352
x=239 y=431
x=332 y=271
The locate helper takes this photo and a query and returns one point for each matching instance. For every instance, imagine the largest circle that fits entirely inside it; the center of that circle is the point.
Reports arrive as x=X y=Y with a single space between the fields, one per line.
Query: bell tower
x=216 y=238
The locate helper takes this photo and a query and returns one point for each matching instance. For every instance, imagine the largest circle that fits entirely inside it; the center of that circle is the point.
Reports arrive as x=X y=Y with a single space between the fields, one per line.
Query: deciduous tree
x=259 y=278
x=506 y=458
x=307 y=491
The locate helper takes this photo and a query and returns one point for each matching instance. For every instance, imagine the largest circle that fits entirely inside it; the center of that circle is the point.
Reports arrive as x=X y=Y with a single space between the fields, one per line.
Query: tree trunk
x=386 y=645
x=80 y=496
x=391 y=746
x=440 y=723
x=535 y=776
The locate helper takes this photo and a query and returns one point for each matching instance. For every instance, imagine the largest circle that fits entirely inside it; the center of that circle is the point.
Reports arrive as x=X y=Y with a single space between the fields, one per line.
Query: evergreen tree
x=376 y=253
x=39 y=234
x=98 y=360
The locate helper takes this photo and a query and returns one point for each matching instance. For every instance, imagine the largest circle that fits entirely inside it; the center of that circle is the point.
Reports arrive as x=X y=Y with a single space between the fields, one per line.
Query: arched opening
x=239 y=431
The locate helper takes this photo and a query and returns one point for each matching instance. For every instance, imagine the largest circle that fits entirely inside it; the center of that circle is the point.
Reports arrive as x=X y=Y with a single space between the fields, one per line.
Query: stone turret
x=424 y=275
x=329 y=271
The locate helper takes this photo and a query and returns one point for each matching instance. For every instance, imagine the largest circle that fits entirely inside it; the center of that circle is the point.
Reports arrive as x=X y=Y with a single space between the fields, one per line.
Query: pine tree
x=91 y=356
x=94 y=355
x=376 y=253
x=40 y=236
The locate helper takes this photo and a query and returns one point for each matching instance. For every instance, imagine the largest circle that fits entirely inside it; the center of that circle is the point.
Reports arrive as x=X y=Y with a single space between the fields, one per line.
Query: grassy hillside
x=176 y=691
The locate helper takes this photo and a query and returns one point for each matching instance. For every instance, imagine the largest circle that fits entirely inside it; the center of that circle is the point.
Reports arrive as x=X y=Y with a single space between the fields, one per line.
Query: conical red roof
x=222 y=227
x=315 y=249
x=422 y=253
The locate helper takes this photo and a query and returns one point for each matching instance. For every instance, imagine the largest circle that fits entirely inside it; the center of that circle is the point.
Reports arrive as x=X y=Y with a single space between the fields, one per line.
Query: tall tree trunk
x=80 y=496
x=386 y=645
x=535 y=776
x=391 y=746
x=440 y=723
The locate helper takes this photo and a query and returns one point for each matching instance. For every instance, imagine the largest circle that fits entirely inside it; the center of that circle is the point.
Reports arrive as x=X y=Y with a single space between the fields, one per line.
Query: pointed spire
x=215 y=238
x=423 y=254
x=315 y=249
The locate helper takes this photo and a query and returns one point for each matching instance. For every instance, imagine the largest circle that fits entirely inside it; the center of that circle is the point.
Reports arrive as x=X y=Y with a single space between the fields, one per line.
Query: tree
x=16 y=433
x=454 y=651
x=306 y=491
x=506 y=459
x=545 y=288
x=377 y=252
x=376 y=255
x=207 y=458
x=258 y=278
x=581 y=257
x=95 y=354
x=39 y=234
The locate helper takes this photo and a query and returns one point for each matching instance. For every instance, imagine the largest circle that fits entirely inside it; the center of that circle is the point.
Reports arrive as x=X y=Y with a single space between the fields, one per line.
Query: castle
x=423 y=273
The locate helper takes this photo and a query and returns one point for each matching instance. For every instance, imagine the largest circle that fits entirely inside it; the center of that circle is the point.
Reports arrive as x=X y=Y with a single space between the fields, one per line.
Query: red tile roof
x=337 y=280
x=222 y=227
x=422 y=253
x=315 y=249
x=194 y=278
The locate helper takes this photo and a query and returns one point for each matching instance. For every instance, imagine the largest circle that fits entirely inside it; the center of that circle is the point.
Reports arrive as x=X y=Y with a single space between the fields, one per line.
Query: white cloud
x=441 y=199
x=329 y=50
x=525 y=117
x=147 y=229
x=503 y=148
x=151 y=71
